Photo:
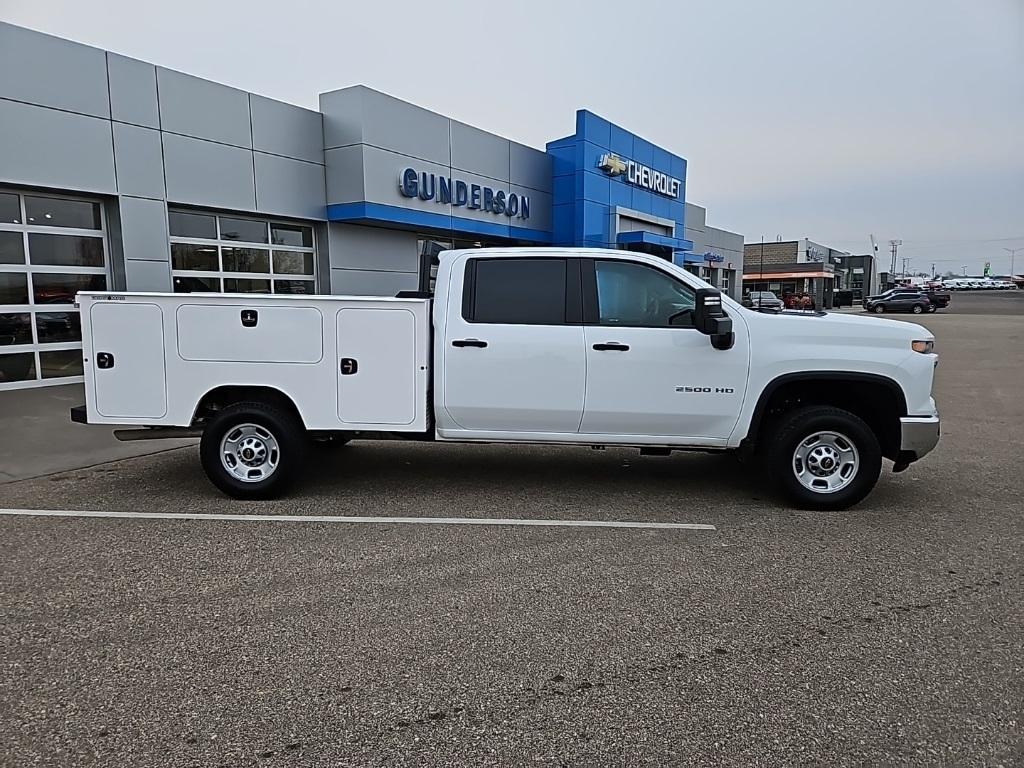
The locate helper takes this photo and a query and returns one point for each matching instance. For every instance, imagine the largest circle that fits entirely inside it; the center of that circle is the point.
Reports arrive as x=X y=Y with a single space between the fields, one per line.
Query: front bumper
x=918 y=436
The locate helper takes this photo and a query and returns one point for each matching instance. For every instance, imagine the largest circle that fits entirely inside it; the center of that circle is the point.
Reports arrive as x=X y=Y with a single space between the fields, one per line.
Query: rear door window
x=516 y=291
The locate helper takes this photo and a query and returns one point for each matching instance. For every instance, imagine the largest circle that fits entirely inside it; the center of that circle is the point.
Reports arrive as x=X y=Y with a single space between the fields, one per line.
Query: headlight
x=924 y=347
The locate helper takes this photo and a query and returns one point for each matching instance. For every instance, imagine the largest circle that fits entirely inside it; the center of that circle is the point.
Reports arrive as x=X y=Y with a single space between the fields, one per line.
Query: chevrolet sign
x=640 y=175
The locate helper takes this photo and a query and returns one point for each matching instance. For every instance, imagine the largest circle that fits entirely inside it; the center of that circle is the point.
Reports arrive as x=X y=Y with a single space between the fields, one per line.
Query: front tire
x=823 y=458
x=878 y=309
x=252 y=450
x=932 y=309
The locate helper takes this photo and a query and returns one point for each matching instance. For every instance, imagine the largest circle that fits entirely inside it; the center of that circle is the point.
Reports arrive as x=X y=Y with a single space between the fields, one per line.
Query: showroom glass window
x=51 y=247
x=237 y=254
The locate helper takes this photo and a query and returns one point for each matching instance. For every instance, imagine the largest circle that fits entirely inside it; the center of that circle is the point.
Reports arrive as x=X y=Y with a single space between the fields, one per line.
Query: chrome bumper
x=918 y=435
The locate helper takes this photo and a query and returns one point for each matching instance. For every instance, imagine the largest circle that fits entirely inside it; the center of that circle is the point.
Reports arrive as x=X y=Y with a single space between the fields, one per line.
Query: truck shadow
x=501 y=475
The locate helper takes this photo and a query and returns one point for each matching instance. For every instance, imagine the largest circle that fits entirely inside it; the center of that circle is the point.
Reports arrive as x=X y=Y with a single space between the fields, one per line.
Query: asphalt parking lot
x=892 y=634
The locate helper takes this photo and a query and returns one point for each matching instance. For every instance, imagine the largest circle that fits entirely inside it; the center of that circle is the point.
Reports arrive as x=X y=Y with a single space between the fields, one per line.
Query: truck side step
x=156 y=433
x=655 y=451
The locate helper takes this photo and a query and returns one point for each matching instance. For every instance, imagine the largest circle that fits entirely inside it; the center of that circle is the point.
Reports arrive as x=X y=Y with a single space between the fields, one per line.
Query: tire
x=932 y=309
x=275 y=439
x=791 y=434
x=917 y=309
x=878 y=309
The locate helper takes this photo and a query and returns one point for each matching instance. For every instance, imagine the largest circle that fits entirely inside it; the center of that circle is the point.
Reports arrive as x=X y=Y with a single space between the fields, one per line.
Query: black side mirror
x=710 y=319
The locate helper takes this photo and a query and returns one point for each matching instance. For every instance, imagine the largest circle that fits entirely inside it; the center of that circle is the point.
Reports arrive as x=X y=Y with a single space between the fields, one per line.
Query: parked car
x=763 y=300
x=554 y=346
x=899 y=300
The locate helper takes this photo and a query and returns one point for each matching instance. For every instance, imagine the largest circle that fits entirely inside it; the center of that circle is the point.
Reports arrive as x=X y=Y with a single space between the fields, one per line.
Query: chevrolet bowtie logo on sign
x=611 y=164
x=640 y=175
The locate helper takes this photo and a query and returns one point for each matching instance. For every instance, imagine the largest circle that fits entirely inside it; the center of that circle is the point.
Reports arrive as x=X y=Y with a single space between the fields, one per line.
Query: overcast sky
x=827 y=119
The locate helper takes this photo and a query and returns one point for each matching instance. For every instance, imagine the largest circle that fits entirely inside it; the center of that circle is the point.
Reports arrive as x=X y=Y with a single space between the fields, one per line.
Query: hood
x=841 y=326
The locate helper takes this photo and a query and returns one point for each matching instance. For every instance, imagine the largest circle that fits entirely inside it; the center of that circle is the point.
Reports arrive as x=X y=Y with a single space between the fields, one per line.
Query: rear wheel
x=823 y=458
x=917 y=309
x=878 y=309
x=252 y=450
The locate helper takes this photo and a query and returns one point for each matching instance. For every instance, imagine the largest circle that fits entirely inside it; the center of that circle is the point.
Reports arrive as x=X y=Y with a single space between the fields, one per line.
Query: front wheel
x=823 y=458
x=932 y=309
x=252 y=450
x=879 y=309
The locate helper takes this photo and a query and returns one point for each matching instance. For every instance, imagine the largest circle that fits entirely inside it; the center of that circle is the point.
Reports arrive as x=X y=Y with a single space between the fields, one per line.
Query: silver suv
x=763 y=300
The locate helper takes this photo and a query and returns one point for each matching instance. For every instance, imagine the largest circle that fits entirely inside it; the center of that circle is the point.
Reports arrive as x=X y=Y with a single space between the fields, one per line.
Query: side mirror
x=710 y=319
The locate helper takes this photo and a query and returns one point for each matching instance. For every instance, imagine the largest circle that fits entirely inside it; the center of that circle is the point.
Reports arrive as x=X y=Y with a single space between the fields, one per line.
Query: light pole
x=964 y=268
x=895 y=244
x=1013 y=253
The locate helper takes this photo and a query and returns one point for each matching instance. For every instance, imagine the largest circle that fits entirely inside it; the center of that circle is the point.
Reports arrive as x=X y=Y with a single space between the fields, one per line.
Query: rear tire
x=878 y=309
x=823 y=458
x=917 y=309
x=252 y=450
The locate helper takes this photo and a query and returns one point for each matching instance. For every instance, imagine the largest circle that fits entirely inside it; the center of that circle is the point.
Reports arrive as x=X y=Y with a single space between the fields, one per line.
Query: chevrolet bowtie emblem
x=611 y=164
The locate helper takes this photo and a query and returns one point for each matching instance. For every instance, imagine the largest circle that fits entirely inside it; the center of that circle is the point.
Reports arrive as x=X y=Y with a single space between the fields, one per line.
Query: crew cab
x=521 y=345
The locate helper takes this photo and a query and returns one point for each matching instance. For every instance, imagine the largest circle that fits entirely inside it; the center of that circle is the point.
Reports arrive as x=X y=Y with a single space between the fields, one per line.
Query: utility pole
x=964 y=268
x=895 y=244
x=906 y=261
x=933 y=271
x=1013 y=253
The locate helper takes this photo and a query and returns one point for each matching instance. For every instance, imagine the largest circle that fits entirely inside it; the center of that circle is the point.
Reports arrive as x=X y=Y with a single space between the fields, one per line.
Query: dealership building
x=116 y=174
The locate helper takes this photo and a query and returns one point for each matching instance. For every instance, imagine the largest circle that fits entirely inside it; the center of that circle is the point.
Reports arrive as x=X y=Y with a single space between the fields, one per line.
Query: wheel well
x=221 y=397
x=878 y=401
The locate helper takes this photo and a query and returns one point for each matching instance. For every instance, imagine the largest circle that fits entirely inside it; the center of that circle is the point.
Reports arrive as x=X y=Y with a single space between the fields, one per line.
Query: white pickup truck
x=517 y=345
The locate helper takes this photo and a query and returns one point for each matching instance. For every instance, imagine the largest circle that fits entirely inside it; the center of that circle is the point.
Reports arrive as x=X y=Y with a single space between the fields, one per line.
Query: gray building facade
x=721 y=252
x=119 y=174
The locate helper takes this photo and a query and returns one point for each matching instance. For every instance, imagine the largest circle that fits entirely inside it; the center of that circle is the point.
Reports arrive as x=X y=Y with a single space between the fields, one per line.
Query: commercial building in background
x=792 y=267
x=721 y=252
x=855 y=273
x=118 y=174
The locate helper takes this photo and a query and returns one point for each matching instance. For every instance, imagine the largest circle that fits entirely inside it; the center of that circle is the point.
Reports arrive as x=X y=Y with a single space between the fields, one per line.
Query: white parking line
x=359 y=519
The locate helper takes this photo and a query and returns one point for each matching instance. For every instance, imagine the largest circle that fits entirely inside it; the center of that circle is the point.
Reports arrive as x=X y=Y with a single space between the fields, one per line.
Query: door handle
x=104 y=360
x=612 y=346
x=469 y=343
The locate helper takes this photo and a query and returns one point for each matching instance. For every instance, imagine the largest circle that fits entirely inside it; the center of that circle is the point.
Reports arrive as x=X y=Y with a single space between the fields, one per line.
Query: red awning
x=784 y=275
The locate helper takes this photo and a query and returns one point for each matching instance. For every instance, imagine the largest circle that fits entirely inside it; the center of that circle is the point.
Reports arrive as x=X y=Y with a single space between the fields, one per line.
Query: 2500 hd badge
x=707 y=390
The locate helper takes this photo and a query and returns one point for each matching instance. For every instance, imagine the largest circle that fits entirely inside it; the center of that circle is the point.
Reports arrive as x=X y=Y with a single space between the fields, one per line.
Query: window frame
x=29 y=270
x=572 y=301
x=220 y=274
x=591 y=306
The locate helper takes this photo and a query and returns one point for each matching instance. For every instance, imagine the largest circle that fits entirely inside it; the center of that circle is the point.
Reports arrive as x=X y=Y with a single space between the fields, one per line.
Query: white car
x=519 y=345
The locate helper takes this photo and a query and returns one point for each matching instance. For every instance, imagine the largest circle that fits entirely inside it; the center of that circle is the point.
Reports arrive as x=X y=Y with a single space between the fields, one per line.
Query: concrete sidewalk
x=37 y=436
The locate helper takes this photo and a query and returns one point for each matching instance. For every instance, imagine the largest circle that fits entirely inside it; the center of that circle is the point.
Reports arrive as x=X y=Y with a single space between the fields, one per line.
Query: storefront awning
x=661 y=245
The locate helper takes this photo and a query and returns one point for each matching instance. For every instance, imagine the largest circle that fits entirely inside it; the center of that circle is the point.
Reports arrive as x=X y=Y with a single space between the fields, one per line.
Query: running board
x=156 y=433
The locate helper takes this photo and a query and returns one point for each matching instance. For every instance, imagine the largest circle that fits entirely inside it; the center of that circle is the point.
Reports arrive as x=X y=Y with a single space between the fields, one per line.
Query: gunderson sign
x=640 y=175
x=476 y=197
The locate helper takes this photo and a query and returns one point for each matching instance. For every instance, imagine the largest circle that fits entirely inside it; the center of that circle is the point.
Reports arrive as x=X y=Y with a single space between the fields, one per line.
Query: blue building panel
x=563 y=158
x=593 y=128
x=643 y=201
x=596 y=222
x=621 y=142
x=563 y=188
x=593 y=186
x=620 y=194
x=588 y=155
x=661 y=206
